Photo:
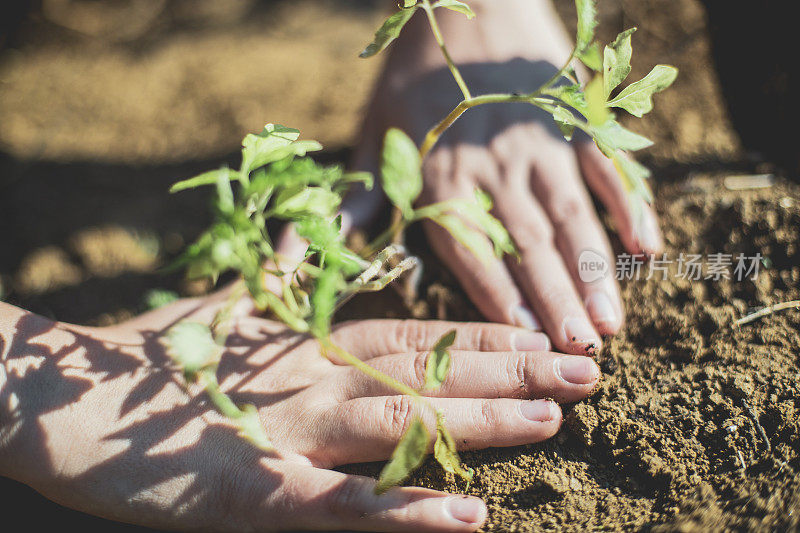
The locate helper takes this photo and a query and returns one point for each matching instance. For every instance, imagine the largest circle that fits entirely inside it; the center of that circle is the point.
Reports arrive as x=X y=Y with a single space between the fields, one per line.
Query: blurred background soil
x=104 y=104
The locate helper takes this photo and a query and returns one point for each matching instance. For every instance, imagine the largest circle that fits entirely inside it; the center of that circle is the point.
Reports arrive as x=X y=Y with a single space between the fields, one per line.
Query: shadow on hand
x=143 y=465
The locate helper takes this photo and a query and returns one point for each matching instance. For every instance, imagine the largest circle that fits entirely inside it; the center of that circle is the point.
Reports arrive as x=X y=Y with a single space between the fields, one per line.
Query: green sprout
x=277 y=180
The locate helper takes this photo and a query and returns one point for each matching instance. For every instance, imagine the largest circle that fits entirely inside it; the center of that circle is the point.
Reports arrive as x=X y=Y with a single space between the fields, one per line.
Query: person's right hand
x=100 y=422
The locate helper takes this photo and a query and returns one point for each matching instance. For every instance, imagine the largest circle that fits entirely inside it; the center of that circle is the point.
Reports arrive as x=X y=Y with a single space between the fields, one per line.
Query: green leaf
x=445 y=452
x=274 y=143
x=207 y=178
x=155 y=298
x=617 y=61
x=633 y=176
x=566 y=121
x=317 y=201
x=455 y=5
x=251 y=429
x=439 y=361
x=401 y=170
x=192 y=346
x=473 y=240
x=407 y=457
x=478 y=213
x=613 y=136
x=596 y=111
x=572 y=95
x=389 y=31
x=586 y=23
x=636 y=98
x=591 y=56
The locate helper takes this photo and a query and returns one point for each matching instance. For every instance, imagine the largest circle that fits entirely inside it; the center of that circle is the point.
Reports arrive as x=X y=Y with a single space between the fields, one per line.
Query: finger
x=542 y=273
x=599 y=172
x=566 y=378
x=578 y=235
x=313 y=498
x=378 y=423
x=371 y=338
x=486 y=280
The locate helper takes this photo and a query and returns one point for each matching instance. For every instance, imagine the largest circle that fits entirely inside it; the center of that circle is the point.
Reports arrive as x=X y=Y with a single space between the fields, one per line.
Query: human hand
x=98 y=419
x=516 y=154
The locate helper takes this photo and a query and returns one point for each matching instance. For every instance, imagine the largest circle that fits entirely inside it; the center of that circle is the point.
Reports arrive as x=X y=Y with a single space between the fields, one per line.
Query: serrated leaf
x=615 y=137
x=596 y=111
x=591 y=57
x=206 y=178
x=455 y=5
x=617 y=61
x=389 y=31
x=439 y=361
x=572 y=95
x=586 y=23
x=637 y=98
x=401 y=170
x=446 y=453
x=191 y=345
x=407 y=457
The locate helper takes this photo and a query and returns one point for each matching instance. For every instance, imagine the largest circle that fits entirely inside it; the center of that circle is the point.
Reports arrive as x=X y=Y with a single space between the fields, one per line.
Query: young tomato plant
x=278 y=181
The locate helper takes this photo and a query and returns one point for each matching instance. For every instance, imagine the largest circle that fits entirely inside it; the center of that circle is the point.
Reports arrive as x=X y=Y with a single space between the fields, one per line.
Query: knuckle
x=411 y=334
x=419 y=369
x=537 y=233
x=398 y=412
x=569 y=209
x=486 y=416
x=522 y=375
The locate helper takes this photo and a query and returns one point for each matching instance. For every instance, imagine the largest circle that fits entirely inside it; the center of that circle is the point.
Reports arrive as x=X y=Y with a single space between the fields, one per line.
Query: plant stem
x=433 y=135
x=374 y=373
x=555 y=77
x=384 y=238
x=437 y=34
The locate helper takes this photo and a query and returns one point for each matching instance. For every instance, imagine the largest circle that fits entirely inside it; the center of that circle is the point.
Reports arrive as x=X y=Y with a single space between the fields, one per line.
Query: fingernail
x=529 y=341
x=465 y=509
x=577 y=369
x=523 y=318
x=600 y=309
x=649 y=234
x=539 y=410
x=579 y=331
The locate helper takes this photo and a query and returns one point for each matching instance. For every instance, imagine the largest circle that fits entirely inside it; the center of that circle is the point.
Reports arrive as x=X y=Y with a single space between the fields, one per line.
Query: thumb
x=324 y=499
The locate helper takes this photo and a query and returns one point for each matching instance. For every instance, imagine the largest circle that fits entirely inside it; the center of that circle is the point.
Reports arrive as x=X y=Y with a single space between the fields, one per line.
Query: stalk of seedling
x=278 y=181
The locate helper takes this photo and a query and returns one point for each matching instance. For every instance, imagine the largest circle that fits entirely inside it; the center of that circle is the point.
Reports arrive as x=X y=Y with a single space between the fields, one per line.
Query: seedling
x=278 y=181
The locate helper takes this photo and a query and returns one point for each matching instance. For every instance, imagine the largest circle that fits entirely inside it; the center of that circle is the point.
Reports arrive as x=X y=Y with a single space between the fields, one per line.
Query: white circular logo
x=592 y=266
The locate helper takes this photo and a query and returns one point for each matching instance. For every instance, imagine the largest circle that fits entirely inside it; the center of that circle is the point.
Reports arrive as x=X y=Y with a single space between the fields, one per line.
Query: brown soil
x=100 y=110
x=683 y=393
